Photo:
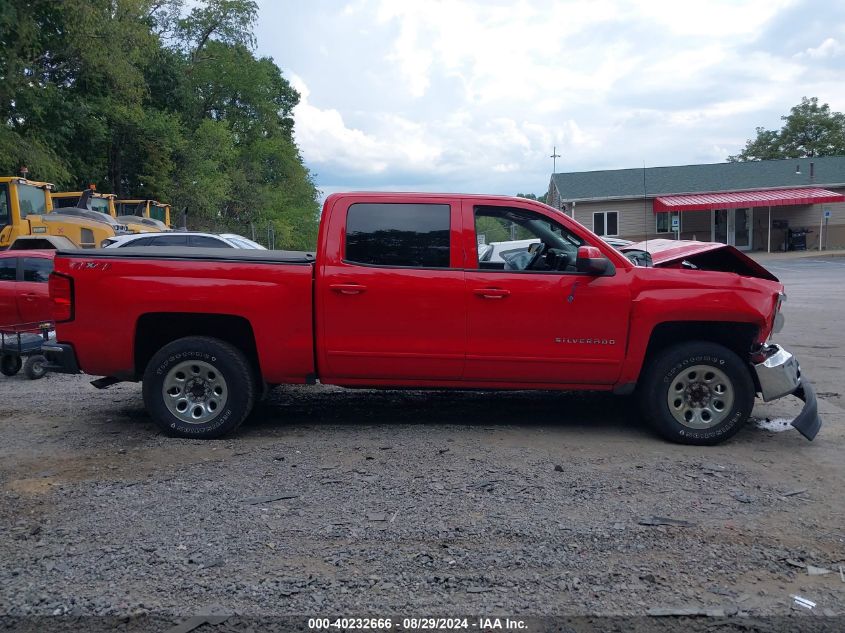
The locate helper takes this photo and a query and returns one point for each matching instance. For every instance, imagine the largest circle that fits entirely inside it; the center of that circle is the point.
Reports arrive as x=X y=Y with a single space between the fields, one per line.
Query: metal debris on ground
x=803 y=602
x=792 y=493
x=664 y=521
x=812 y=570
x=254 y=501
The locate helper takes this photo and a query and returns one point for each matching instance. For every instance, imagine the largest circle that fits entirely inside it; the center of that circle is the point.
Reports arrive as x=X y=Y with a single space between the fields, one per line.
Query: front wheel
x=697 y=393
x=199 y=387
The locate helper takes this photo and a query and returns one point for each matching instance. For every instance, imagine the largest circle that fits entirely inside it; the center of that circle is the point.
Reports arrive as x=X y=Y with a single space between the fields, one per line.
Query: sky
x=473 y=95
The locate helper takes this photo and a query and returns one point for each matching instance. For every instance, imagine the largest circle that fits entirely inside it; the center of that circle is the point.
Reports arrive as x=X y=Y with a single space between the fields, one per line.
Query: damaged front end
x=688 y=254
x=776 y=370
x=778 y=375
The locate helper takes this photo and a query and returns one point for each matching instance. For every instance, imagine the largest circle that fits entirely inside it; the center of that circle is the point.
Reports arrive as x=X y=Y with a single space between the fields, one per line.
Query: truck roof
x=425 y=194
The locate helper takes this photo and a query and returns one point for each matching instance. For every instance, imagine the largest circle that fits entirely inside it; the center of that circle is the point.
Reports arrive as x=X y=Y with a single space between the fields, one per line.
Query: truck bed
x=136 y=295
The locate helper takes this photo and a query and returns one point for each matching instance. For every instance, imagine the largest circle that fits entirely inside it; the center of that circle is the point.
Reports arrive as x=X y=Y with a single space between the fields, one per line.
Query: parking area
x=331 y=502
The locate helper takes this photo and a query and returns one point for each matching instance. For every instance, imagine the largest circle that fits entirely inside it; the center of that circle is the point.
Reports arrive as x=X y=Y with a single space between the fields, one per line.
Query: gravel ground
x=333 y=502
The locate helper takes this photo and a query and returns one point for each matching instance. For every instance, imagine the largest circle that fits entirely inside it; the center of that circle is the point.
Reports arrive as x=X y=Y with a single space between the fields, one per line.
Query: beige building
x=762 y=205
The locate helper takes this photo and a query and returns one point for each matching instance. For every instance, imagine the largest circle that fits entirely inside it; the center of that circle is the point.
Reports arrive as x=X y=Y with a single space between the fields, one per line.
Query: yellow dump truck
x=27 y=214
x=150 y=209
x=106 y=203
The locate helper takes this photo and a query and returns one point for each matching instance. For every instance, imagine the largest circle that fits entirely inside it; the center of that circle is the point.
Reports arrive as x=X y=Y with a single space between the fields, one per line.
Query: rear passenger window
x=37 y=269
x=385 y=234
x=8 y=269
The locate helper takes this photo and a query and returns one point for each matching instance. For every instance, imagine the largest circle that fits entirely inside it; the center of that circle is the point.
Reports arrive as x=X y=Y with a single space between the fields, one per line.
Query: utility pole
x=554 y=158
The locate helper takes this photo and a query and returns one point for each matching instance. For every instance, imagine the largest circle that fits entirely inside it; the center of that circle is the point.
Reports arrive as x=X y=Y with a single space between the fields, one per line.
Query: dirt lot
x=332 y=502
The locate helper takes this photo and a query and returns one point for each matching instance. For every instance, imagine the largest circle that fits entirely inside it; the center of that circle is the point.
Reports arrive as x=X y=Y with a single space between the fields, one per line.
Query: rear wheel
x=697 y=393
x=10 y=364
x=199 y=387
x=35 y=367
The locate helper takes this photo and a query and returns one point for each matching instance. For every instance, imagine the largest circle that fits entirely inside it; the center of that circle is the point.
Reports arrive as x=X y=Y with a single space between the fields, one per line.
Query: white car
x=183 y=238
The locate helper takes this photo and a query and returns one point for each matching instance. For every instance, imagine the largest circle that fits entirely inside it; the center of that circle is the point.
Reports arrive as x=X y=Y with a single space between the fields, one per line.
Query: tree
x=156 y=99
x=531 y=196
x=809 y=130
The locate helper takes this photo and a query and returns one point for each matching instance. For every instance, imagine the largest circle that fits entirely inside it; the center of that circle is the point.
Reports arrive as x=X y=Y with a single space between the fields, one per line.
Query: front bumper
x=60 y=358
x=780 y=375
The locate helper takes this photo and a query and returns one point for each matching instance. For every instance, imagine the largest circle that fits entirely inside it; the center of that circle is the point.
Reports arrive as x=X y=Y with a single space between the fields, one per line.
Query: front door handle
x=492 y=293
x=348 y=289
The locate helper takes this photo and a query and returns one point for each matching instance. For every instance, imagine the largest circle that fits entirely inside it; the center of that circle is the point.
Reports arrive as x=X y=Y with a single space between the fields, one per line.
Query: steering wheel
x=535 y=258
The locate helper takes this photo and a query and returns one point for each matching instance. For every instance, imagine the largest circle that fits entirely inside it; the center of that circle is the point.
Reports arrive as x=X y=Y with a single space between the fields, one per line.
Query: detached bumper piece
x=808 y=421
x=60 y=358
x=779 y=375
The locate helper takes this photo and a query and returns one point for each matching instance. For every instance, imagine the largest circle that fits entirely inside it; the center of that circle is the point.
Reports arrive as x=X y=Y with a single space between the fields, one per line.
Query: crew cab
x=395 y=296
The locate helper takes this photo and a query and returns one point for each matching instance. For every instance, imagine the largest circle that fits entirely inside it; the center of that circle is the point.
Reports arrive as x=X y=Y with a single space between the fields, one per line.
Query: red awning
x=743 y=199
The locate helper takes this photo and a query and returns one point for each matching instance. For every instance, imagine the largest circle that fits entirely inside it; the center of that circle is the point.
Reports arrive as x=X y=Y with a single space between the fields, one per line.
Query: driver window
x=523 y=241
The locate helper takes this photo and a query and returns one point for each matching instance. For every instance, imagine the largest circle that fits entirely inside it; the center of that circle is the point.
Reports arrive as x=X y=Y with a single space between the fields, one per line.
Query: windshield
x=130 y=208
x=158 y=212
x=101 y=205
x=31 y=200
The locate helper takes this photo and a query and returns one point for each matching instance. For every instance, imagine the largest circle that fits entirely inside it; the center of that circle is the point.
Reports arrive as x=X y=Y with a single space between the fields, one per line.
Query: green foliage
x=531 y=196
x=148 y=99
x=809 y=130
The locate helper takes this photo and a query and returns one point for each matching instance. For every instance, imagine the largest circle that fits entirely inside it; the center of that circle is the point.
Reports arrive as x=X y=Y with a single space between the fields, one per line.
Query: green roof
x=765 y=174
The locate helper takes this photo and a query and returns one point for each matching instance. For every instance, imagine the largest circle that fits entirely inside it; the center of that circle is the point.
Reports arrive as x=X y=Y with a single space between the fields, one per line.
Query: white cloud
x=831 y=47
x=473 y=94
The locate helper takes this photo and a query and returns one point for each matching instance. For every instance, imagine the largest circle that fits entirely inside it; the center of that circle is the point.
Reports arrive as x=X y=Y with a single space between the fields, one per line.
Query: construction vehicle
x=105 y=203
x=27 y=214
x=148 y=209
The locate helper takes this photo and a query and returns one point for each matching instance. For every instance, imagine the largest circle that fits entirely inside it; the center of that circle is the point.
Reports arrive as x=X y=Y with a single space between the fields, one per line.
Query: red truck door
x=547 y=324
x=9 y=314
x=390 y=291
x=32 y=293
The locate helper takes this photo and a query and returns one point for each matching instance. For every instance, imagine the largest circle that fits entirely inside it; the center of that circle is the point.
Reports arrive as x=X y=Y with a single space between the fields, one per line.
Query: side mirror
x=591 y=261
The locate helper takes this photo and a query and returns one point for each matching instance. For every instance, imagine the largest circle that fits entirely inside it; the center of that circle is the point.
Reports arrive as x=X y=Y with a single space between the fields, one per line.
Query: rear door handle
x=492 y=293
x=348 y=289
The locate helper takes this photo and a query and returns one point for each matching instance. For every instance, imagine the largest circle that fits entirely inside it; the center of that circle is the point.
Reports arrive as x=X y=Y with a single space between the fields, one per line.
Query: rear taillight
x=61 y=294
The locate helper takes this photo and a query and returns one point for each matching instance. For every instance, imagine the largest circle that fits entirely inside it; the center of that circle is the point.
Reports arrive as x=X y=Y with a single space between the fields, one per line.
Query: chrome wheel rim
x=195 y=392
x=700 y=397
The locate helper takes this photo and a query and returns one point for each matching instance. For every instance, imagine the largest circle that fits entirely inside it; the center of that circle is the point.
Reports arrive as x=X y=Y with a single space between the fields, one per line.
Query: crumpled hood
x=700 y=255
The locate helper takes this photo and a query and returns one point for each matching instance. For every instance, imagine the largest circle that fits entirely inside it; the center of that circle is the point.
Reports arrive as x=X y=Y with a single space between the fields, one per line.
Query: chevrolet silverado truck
x=396 y=297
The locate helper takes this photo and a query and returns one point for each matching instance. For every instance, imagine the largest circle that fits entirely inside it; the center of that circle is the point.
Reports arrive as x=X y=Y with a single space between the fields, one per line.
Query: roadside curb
x=782 y=255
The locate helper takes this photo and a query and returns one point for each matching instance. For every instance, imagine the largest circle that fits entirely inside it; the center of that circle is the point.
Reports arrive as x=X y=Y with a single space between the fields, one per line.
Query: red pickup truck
x=395 y=296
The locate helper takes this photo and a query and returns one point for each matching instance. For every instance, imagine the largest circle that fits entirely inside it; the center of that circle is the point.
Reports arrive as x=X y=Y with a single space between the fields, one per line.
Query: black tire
x=10 y=364
x=664 y=375
x=226 y=362
x=35 y=367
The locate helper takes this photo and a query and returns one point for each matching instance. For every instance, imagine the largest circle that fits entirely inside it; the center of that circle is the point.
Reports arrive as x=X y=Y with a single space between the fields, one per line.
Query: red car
x=396 y=296
x=24 y=296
